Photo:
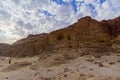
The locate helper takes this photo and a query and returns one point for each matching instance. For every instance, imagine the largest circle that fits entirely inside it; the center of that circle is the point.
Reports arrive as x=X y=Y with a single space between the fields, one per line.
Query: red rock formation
x=112 y=26
x=30 y=46
x=86 y=29
x=85 y=35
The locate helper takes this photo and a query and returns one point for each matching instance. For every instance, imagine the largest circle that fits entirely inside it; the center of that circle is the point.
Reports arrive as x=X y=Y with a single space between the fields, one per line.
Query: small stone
x=117 y=79
x=82 y=74
x=48 y=79
x=88 y=79
x=95 y=62
x=6 y=78
x=83 y=67
x=49 y=70
x=104 y=64
x=101 y=65
x=111 y=63
x=65 y=75
x=91 y=76
x=90 y=60
x=91 y=69
x=66 y=69
x=118 y=61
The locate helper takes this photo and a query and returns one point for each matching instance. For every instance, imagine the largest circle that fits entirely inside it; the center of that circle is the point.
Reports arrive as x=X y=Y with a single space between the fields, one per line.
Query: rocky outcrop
x=87 y=36
x=112 y=26
x=30 y=46
x=86 y=29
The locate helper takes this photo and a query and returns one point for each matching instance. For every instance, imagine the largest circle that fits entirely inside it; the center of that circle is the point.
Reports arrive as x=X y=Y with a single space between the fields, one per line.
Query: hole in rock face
x=70 y=46
x=113 y=31
x=112 y=28
x=68 y=38
x=60 y=37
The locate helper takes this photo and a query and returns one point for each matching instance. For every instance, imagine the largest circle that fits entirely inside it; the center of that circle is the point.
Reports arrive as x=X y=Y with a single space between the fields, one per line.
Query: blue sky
x=18 y=18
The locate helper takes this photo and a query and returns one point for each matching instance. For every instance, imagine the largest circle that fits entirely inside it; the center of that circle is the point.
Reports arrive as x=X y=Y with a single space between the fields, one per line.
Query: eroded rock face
x=85 y=37
x=112 y=26
x=86 y=29
x=30 y=46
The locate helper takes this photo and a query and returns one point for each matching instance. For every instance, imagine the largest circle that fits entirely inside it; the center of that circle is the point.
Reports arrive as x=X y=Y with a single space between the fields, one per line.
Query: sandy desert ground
x=82 y=68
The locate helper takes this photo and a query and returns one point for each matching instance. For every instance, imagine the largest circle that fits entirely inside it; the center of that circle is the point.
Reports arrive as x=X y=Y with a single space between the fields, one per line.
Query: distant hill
x=5 y=49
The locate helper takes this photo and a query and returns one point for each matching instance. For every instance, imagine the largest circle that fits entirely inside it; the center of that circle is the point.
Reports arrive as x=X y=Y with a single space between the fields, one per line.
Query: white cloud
x=115 y=3
x=18 y=18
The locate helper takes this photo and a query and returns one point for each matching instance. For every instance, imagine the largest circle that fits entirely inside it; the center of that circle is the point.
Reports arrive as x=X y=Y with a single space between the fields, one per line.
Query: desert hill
x=86 y=50
x=87 y=36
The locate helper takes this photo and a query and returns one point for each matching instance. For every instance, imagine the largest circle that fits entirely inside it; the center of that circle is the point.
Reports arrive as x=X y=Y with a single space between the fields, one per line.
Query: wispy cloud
x=18 y=18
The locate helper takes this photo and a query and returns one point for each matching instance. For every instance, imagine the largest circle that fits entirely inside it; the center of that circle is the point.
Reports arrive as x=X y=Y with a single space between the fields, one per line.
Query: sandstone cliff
x=87 y=36
x=32 y=45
